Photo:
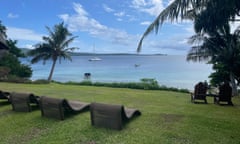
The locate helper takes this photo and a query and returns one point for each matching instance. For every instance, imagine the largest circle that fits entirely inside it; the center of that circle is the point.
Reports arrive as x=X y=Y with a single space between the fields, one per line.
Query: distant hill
x=26 y=50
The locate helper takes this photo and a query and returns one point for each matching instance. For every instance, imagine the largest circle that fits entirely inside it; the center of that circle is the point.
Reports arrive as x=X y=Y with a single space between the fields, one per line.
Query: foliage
x=167 y=118
x=213 y=40
x=3 y=29
x=13 y=67
x=149 y=81
x=145 y=84
x=4 y=71
x=13 y=49
x=220 y=75
x=16 y=68
x=16 y=79
x=55 y=47
x=222 y=50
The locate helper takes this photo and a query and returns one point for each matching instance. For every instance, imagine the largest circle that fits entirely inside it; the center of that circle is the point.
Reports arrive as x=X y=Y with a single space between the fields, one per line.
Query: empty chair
x=200 y=92
x=225 y=94
x=111 y=116
x=58 y=108
x=23 y=102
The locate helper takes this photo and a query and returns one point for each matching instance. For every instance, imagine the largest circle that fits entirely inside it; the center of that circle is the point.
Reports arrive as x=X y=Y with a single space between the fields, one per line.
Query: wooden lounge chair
x=200 y=93
x=58 y=108
x=24 y=102
x=225 y=94
x=111 y=116
x=4 y=95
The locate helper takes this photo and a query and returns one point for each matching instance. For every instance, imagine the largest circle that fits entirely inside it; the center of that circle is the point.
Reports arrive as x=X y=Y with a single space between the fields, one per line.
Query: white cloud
x=107 y=9
x=81 y=21
x=152 y=7
x=11 y=15
x=119 y=19
x=119 y=14
x=29 y=46
x=139 y=2
x=79 y=9
x=146 y=23
x=23 y=34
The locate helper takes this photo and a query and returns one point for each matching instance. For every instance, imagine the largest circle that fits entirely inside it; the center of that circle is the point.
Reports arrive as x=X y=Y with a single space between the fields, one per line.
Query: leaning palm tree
x=208 y=15
x=55 y=47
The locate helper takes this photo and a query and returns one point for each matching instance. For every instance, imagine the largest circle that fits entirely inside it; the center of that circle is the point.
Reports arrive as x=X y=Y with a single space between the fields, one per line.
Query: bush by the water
x=145 y=83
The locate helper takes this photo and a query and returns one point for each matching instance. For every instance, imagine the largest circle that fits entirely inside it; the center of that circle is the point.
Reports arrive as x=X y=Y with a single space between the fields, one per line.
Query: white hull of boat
x=95 y=59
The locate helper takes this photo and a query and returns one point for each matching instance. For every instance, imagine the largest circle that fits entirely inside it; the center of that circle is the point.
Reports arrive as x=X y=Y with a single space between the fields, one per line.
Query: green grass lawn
x=167 y=118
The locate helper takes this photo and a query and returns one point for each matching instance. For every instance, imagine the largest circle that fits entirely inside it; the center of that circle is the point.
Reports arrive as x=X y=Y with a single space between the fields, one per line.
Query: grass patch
x=167 y=118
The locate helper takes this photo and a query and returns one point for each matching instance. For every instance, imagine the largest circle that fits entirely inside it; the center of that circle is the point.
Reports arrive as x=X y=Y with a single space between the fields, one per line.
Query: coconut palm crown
x=55 y=47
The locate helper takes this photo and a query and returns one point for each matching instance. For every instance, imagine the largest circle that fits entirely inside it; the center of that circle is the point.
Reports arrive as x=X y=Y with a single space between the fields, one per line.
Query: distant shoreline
x=25 y=51
x=105 y=54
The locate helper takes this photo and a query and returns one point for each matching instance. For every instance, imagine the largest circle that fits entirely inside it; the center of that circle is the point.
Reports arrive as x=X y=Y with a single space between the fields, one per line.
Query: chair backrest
x=225 y=92
x=21 y=101
x=200 y=91
x=106 y=115
x=4 y=95
x=52 y=107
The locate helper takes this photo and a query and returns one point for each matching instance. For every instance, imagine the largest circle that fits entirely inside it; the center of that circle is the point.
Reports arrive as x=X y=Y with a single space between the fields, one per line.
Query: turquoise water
x=173 y=71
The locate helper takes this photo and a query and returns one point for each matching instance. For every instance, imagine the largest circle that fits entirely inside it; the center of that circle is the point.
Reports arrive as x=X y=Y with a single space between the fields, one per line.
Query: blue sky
x=111 y=26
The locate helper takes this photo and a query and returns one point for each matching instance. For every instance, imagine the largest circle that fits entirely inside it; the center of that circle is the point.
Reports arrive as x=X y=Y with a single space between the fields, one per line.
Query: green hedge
x=145 y=84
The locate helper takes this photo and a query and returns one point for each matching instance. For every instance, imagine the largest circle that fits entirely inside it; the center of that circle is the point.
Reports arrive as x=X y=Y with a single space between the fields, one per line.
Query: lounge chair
x=111 y=116
x=24 y=102
x=4 y=95
x=58 y=108
x=200 y=93
x=225 y=94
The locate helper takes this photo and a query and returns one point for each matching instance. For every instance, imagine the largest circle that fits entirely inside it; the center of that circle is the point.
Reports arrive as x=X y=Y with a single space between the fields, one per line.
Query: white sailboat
x=95 y=58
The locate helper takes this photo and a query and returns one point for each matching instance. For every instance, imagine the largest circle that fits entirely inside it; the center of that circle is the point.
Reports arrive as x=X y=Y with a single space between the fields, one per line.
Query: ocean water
x=172 y=71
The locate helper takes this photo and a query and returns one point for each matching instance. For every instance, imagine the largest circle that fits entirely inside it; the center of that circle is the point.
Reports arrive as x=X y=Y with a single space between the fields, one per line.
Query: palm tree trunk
x=52 y=69
x=234 y=85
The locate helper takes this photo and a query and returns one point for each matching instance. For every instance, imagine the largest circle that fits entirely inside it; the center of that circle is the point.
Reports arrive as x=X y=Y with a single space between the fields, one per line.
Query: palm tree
x=208 y=15
x=55 y=47
x=222 y=49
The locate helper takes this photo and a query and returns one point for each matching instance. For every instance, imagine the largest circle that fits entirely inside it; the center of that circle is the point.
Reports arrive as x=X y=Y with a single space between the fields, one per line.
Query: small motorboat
x=137 y=65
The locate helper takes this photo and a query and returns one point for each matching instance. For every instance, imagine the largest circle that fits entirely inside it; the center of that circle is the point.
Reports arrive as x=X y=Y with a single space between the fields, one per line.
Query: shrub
x=146 y=84
x=16 y=79
x=4 y=71
x=15 y=67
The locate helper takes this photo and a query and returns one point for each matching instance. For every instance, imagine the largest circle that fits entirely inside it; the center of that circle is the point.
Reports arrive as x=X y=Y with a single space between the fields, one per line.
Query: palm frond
x=65 y=43
x=177 y=9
